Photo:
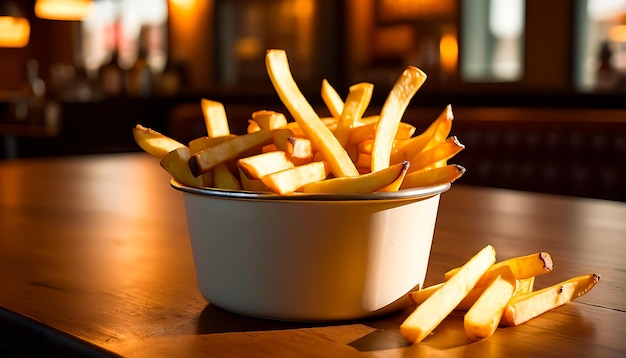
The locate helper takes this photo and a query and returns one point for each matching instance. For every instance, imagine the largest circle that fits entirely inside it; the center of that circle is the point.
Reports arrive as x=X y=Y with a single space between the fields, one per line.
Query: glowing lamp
x=70 y=10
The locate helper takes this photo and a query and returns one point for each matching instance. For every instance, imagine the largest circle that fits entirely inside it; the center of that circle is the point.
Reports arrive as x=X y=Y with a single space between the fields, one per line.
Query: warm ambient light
x=617 y=33
x=448 y=52
x=63 y=9
x=14 y=31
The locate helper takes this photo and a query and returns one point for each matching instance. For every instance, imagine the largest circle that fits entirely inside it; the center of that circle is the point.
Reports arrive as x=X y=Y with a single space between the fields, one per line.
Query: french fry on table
x=427 y=316
x=521 y=266
x=483 y=317
x=522 y=308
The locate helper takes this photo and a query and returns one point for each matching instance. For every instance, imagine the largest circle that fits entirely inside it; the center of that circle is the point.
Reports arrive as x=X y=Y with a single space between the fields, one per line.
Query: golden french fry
x=331 y=98
x=224 y=179
x=365 y=183
x=252 y=126
x=435 y=134
x=522 y=267
x=269 y=148
x=433 y=176
x=427 y=316
x=208 y=158
x=439 y=154
x=321 y=137
x=395 y=185
x=292 y=179
x=214 y=118
x=525 y=285
x=358 y=99
x=269 y=120
x=281 y=136
x=263 y=164
x=299 y=150
x=483 y=317
x=391 y=113
x=251 y=184
x=363 y=161
x=366 y=132
x=196 y=145
x=175 y=163
x=153 y=142
x=524 y=307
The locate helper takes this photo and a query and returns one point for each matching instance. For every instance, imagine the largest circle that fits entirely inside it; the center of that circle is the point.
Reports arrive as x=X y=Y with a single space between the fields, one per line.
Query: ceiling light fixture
x=14 y=27
x=69 y=10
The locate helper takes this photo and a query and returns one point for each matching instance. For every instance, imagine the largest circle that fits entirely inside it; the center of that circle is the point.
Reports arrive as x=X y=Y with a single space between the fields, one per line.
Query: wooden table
x=95 y=259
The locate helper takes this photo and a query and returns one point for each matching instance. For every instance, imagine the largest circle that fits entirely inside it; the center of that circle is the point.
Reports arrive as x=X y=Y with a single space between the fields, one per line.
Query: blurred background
x=538 y=87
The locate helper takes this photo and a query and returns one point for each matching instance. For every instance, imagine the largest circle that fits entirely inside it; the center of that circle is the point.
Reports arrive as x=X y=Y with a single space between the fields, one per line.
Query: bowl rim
x=404 y=194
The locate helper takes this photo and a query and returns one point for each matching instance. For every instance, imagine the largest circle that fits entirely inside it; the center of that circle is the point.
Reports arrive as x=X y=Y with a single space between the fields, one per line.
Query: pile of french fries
x=492 y=294
x=344 y=153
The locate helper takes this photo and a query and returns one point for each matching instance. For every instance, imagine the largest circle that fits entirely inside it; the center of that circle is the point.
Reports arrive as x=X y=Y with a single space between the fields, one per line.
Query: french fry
x=394 y=185
x=346 y=142
x=224 y=178
x=391 y=113
x=200 y=143
x=522 y=267
x=427 y=316
x=525 y=285
x=438 y=154
x=482 y=319
x=365 y=183
x=321 y=137
x=292 y=179
x=280 y=137
x=331 y=98
x=417 y=297
x=433 y=176
x=358 y=99
x=299 y=150
x=435 y=134
x=251 y=184
x=214 y=118
x=175 y=163
x=153 y=142
x=522 y=308
x=208 y=158
x=263 y=164
x=366 y=131
x=269 y=120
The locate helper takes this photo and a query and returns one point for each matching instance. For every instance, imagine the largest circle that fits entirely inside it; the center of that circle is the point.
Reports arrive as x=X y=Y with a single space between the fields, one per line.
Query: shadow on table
x=386 y=335
x=216 y=320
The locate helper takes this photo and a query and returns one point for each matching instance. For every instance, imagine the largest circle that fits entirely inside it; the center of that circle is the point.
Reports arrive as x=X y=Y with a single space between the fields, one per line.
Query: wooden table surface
x=95 y=259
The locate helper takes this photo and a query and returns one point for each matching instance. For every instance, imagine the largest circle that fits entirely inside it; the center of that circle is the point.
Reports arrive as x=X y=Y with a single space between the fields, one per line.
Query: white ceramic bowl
x=310 y=257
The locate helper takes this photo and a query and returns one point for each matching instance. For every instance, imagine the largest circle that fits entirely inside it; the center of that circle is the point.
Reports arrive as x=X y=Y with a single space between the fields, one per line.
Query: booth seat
x=574 y=152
